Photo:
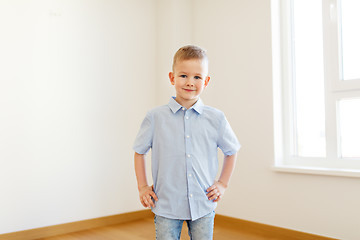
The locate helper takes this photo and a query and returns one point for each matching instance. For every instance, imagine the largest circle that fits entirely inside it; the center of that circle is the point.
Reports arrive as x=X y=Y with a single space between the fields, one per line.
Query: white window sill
x=317 y=171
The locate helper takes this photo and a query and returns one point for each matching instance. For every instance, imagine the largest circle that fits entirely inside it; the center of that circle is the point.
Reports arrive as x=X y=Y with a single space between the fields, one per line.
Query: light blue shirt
x=184 y=161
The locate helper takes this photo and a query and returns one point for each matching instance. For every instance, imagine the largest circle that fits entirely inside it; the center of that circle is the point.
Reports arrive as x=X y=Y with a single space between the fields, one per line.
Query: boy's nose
x=189 y=83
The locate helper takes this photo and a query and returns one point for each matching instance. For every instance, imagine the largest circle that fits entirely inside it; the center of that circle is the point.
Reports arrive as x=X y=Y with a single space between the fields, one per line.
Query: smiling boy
x=184 y=136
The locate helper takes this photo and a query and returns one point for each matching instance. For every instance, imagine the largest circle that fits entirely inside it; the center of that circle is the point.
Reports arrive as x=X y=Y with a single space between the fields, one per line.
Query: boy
x=184 y=136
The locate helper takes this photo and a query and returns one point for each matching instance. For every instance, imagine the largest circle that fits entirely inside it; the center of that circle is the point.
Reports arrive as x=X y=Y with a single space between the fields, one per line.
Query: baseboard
x=75 y=226
x=268 y=231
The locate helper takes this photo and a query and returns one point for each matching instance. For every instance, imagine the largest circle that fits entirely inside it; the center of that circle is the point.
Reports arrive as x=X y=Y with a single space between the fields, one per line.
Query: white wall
x=71 y=104
x=76 y=79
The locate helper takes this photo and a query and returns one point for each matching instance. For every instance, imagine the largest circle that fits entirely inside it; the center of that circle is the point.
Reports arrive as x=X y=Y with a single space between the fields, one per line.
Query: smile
x=188 y=90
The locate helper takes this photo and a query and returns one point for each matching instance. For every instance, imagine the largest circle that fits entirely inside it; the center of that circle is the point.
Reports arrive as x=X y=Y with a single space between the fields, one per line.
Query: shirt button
x=191 y=195
x=183 y=109
x=187 y=136
x=187 y=117
x=190 y=175
x=188 y=155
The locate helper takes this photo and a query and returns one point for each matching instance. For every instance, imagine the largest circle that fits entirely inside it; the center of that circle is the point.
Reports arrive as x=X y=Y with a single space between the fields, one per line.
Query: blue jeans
x=170 y=229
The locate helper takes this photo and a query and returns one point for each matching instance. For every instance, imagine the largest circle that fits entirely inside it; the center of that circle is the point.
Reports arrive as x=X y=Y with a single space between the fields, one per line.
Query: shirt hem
x=177 y=218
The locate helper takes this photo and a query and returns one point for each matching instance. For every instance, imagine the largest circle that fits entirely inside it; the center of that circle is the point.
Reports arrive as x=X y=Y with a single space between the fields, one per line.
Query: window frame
x=335 y=90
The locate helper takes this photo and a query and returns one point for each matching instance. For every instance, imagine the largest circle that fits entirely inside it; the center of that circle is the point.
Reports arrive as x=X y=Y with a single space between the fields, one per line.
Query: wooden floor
x=145 y=229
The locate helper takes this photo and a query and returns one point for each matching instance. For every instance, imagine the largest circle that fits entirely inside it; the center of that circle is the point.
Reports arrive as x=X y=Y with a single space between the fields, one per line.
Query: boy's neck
x=186 y=103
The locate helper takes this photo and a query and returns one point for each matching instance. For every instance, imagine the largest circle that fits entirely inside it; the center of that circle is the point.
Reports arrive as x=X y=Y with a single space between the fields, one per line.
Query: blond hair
x=190 y=52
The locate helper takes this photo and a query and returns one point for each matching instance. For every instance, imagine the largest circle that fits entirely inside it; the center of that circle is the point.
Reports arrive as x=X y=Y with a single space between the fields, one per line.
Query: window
x=316 y=66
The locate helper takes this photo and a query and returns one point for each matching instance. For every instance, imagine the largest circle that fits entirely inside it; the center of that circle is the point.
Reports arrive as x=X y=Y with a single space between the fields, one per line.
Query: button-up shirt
x=184 y=161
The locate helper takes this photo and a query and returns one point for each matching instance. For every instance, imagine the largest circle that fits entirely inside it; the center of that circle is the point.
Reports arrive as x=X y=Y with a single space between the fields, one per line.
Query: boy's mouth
x=189 y=90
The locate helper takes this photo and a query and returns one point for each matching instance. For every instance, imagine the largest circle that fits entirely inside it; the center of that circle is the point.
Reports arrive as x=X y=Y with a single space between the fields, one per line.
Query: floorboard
x=144 y=229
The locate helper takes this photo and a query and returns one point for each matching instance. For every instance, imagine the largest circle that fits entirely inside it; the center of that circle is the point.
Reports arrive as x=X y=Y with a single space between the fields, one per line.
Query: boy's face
x=189 y=78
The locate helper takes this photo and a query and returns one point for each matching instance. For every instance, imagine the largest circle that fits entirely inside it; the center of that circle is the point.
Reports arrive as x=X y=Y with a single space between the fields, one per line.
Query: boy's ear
x=171 y=77
x=207 y=79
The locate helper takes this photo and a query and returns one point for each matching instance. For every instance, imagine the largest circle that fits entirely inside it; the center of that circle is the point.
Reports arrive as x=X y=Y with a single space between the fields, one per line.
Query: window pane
x=309 y=78
x=350 y=19
x=349 y=116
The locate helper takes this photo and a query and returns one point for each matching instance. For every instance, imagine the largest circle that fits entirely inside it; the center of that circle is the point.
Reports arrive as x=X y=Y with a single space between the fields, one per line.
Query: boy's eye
x=197 y=77
x=183 y=76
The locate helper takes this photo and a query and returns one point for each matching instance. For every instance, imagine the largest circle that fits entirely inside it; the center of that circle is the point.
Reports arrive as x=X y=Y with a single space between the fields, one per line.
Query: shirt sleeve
x=143 y=141
x=227 y=141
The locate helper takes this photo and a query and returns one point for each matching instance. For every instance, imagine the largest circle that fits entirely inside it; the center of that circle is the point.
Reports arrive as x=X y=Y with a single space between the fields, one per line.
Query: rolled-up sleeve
x=227 y=140
x=143 y=141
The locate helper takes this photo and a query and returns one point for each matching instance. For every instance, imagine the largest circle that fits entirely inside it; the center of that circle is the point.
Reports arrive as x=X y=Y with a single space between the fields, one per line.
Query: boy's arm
x=217 y=190
x=146 y=192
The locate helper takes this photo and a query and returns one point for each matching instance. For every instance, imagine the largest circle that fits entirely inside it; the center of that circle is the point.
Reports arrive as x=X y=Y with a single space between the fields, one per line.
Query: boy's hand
x=216 y=191
x=147 y=195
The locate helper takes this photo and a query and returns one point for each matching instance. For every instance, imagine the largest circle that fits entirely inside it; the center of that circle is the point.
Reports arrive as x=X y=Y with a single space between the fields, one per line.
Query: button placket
x=188 y=152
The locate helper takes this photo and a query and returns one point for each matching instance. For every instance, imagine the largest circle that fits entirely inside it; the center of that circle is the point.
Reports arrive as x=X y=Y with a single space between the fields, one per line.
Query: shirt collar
x=198 y=106
x=175 y=106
